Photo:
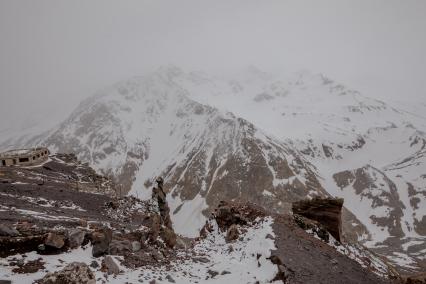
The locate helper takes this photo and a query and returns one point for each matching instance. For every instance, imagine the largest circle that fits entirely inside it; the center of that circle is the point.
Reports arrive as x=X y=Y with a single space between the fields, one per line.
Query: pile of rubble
x=132 y=242
x=146 y=242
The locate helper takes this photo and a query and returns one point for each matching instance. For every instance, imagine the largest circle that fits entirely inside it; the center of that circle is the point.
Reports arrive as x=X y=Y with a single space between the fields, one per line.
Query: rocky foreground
x=62 y=223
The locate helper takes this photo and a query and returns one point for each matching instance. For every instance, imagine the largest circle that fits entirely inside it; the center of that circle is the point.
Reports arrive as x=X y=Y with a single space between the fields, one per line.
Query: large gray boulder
x=111 y=265
x=120 y=247
x=7 y=231
x=76 y=237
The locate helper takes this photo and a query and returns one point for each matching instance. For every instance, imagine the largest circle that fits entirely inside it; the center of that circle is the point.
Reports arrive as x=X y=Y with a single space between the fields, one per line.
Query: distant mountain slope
x=339 y=130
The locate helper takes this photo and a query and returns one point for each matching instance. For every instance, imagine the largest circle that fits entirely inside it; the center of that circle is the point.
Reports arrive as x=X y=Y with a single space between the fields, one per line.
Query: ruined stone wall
x=24 y=157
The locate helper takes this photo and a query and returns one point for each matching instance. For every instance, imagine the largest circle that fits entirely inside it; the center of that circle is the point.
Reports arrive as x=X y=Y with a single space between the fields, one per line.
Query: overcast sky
x=55 y=53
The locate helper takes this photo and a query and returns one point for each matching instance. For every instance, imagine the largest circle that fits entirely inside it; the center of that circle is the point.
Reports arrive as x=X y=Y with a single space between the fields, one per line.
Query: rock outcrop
x=300 y=256
x=101 y=240
x=228 y=214
x=110 y=265
x=326 y=211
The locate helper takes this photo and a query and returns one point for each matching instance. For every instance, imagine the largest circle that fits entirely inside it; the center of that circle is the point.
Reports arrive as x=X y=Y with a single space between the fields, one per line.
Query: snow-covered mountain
x=370 y=152
x=262 y=138
x=145 y=127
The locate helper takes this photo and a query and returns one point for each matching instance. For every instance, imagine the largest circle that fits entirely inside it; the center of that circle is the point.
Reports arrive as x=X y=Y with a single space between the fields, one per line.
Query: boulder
x=8 y=231
x=120 y=247
x=212 y=273
x=136 y=246
x=100 y=240
x=110 y=265
x=76 y=237
x=73 y=273
x=54 y=240
x=168 y=236
x=326 y=211
x=170 y=279
x=229 y=213
x=94 y=264
x=232 y=234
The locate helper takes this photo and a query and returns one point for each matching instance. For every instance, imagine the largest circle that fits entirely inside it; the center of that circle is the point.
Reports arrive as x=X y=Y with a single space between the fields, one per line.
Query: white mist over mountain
x=54 y=54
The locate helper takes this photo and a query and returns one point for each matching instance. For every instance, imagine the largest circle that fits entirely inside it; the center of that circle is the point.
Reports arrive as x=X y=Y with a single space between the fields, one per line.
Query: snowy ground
x=246 y=263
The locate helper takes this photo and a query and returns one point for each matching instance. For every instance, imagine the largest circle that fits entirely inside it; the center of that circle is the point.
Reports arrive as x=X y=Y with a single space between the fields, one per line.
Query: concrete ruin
x=24 y=157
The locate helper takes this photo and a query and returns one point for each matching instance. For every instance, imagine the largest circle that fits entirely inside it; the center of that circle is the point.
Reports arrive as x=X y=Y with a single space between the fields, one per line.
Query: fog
x=55 y=53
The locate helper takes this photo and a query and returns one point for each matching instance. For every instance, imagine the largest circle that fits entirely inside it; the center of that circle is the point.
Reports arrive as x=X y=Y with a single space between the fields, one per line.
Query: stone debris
x=31 y=266
x=130 y=233
x=73 y=273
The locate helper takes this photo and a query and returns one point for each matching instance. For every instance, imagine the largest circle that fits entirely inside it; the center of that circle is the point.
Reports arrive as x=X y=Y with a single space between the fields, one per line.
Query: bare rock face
x=73 y=273
x=326 y=211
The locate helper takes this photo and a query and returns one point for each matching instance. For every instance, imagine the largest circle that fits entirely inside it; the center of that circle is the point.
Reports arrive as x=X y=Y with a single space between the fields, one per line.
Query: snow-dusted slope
x=340 y=131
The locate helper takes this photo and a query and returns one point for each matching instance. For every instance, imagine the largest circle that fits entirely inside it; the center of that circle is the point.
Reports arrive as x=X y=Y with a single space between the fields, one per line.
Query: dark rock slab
x=326 y=211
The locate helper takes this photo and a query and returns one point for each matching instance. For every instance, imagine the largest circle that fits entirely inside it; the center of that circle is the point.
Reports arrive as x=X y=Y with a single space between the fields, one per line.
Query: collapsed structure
x=24 y=157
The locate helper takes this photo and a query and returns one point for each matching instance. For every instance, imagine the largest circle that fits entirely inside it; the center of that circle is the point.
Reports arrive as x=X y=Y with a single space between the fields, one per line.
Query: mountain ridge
x=211 y=137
